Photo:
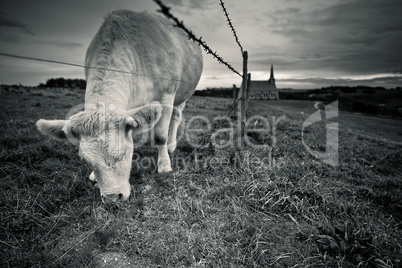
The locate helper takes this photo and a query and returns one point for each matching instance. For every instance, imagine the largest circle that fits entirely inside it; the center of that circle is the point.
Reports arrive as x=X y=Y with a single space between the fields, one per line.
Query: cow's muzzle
x=112 y=198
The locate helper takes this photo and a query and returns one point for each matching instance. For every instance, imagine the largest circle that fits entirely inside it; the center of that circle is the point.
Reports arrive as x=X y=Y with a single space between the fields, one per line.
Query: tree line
x=64 y=83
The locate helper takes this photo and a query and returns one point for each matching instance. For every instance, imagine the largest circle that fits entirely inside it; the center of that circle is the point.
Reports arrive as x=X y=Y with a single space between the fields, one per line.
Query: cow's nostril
x=112 y=198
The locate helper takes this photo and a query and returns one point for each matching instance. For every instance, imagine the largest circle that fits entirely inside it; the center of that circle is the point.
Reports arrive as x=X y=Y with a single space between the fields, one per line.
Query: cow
x=140 y=71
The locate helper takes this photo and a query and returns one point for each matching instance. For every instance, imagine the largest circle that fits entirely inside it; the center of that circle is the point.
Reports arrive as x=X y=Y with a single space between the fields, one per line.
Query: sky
x=311 y=43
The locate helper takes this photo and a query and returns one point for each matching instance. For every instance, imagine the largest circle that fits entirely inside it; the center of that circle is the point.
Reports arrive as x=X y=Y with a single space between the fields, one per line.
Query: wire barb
x=165 y=10
x=231 y=25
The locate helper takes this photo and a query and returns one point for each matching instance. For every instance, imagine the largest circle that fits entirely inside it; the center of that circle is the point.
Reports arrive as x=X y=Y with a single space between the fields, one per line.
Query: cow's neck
x=112 y=93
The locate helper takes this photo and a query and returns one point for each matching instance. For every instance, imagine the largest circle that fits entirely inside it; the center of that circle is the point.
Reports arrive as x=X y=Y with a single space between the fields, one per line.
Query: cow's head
x=106 y=143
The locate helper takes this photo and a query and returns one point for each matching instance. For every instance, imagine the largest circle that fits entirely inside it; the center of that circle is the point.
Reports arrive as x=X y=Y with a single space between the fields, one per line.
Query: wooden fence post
x=248 y=90
x=234 y=97
x=242 y=113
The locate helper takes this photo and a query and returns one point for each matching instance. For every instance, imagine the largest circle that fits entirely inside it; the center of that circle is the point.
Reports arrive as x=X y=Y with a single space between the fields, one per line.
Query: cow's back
x=154 y=57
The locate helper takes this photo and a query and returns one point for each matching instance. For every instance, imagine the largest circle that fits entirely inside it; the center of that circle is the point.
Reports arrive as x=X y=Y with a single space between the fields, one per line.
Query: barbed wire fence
x=165 y=10
x=231 y=25
x=241 y=100
x=240 y=97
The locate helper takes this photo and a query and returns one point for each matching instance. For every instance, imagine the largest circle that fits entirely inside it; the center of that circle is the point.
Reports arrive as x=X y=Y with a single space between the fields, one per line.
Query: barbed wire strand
x=231 y=25
x=166 y=11
x=87 y=67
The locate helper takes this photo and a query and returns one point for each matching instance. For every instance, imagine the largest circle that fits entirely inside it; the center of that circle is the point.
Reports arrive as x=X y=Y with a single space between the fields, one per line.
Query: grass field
x=271 y=206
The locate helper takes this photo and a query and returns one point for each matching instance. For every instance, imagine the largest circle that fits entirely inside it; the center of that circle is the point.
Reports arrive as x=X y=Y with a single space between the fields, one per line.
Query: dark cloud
x=362 y=16
x=7 y=22
x=349 y=37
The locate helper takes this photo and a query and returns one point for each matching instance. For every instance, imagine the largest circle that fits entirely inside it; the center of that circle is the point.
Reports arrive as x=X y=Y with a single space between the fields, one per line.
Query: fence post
x=242 y=113
x=234 y=97
x=248 y=90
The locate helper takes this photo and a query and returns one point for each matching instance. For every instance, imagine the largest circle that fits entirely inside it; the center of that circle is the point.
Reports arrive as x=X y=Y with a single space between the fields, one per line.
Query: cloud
x=17 y=38
x=289 y=10
x=343 y=37
x=357 y=22
x=174 y=2
x=69 y=45
x=193 y=4
x=196 y=4
x=7 y=22
x=386 y=81
x=11 y=38
x=362 y=16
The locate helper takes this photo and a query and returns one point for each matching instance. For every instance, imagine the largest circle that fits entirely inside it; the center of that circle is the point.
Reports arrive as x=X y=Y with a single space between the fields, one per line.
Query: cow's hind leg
x=174 y=125
x=162 y=133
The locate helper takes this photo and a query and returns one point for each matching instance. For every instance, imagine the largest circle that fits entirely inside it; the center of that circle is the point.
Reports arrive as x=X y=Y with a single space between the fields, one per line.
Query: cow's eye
x=127 y=129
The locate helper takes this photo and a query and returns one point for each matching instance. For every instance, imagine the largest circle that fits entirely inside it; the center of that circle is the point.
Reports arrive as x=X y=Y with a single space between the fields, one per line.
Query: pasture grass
x=273 y=206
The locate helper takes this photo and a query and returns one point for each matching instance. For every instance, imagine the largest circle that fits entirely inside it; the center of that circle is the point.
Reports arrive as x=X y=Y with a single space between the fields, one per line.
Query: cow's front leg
x=174 y=125
x=161 y=136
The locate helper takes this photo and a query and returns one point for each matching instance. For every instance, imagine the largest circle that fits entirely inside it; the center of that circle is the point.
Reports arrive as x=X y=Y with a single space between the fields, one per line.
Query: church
x=264 y=90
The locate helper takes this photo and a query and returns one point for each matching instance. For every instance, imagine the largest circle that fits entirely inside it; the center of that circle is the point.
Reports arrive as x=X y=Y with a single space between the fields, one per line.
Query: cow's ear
x=144 y=118
x=52 y=128
x=59 y=130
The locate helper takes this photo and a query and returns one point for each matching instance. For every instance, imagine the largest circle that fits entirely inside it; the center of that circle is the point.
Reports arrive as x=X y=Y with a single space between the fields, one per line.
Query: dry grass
x=297 y=212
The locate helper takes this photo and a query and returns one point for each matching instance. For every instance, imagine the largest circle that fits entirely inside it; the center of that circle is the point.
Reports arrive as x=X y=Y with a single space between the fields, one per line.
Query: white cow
x=144 y=70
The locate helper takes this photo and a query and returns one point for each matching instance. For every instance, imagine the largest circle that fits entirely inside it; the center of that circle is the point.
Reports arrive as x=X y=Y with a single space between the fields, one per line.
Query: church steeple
x=271 y=78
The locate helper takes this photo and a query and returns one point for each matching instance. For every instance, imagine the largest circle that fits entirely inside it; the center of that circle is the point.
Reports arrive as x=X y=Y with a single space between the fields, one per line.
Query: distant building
x=264 y=90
